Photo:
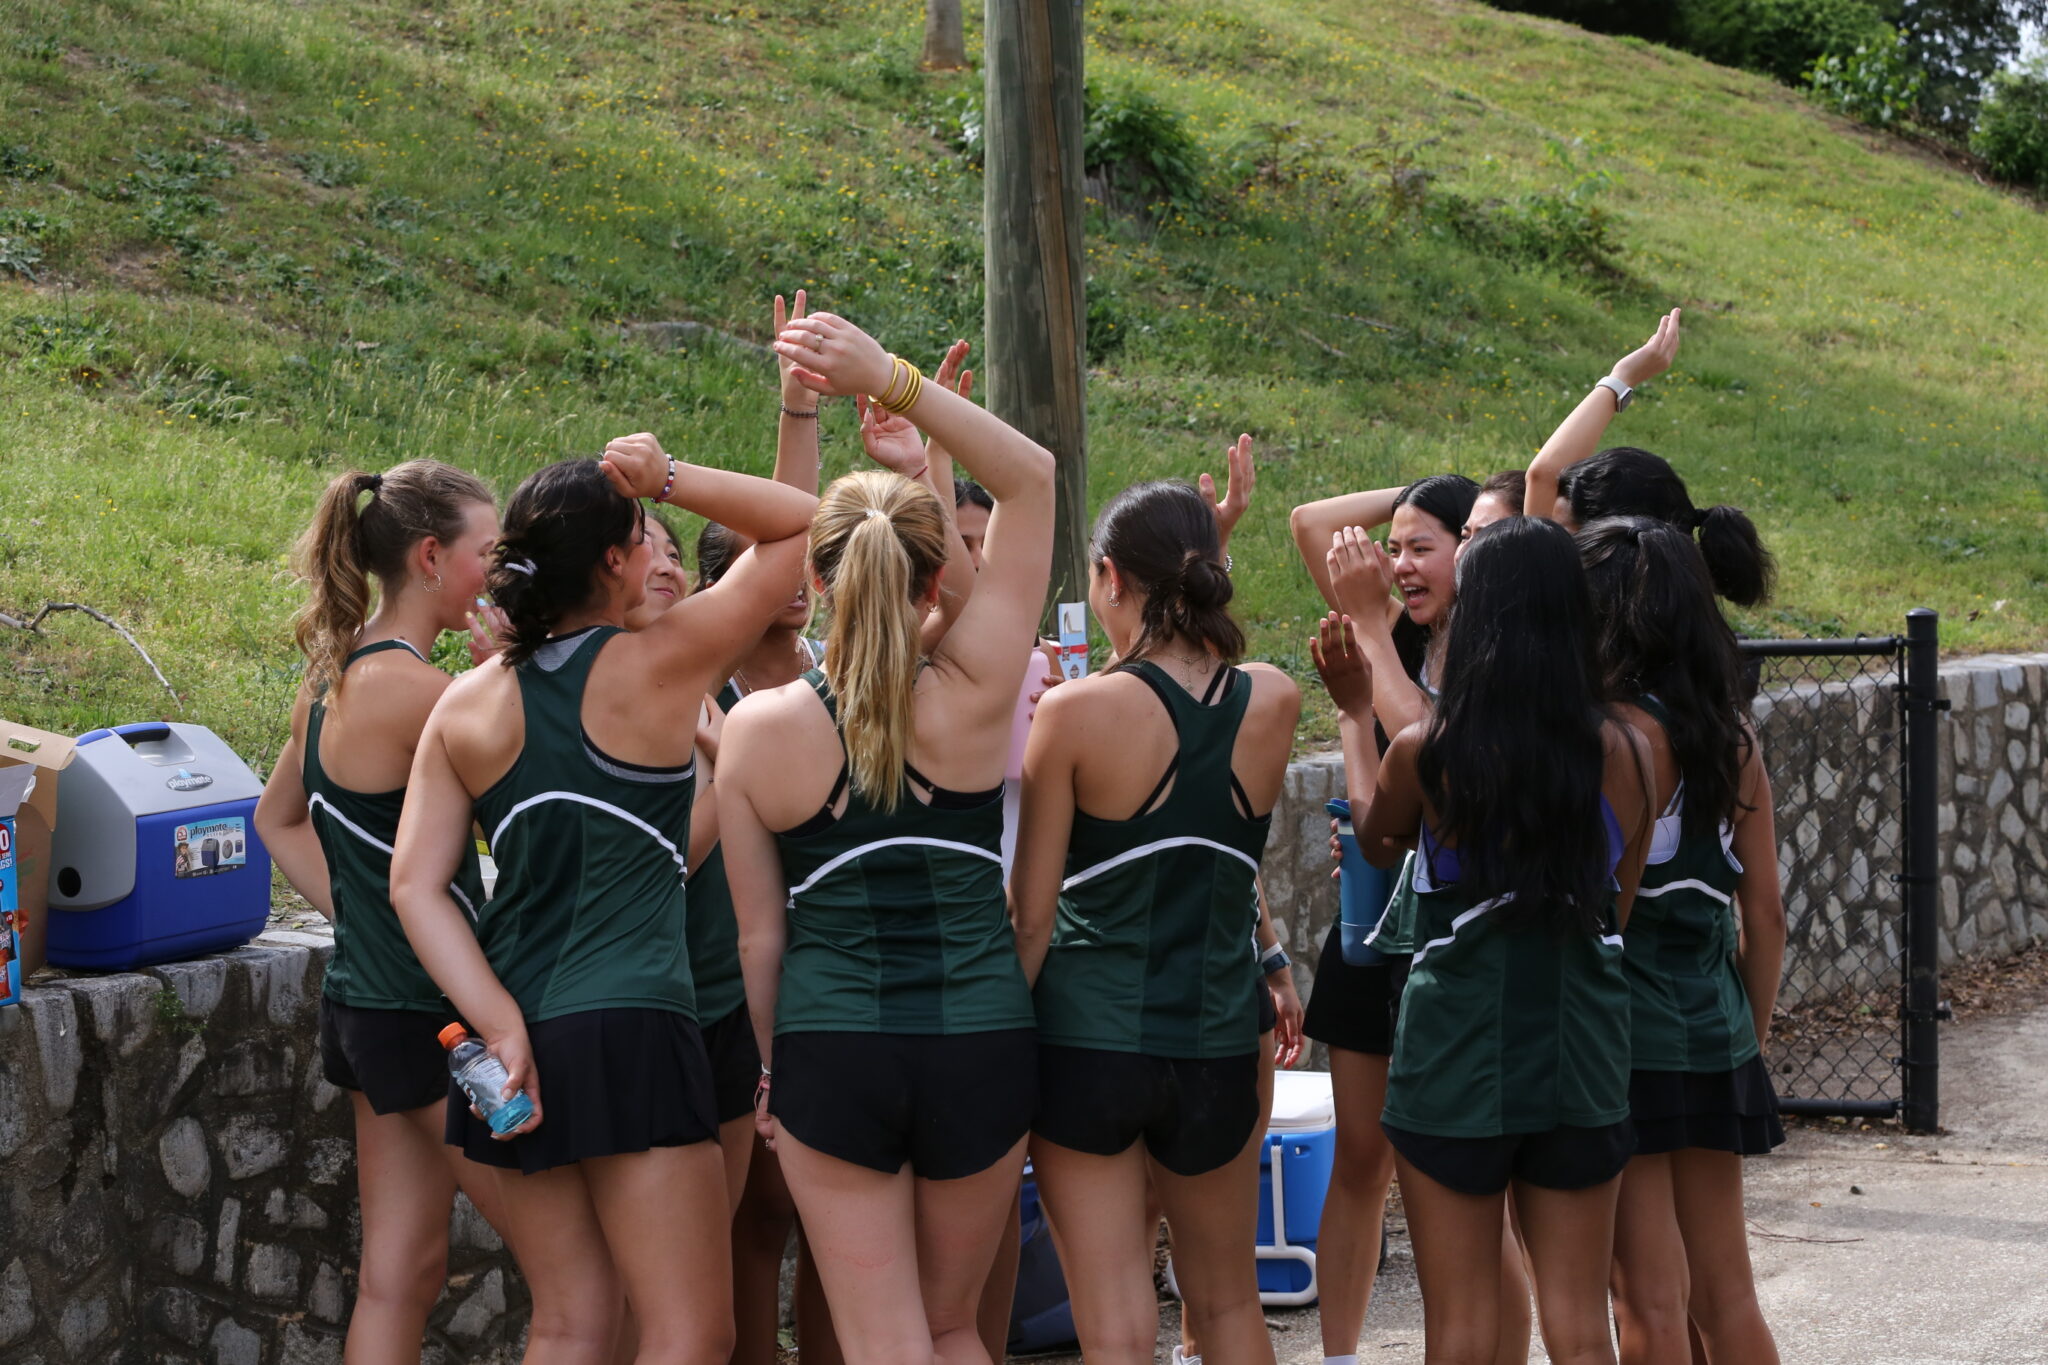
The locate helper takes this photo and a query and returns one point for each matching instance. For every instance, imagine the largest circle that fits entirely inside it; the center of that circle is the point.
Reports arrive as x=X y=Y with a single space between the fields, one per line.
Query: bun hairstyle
x=877 y=543
x=551 y=544
x=1660 y=632
x=353 y=539
x=1162 y=537
x=1510 y=487
x=1623 y=481
x=717 y=548
x=1513 y=758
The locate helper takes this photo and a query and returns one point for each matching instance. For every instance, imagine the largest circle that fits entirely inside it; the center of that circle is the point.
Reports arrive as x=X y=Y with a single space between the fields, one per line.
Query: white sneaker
x=1181 y=1357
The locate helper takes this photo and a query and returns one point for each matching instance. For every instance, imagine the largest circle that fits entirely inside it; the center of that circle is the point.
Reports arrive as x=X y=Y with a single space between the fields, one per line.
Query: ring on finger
x=817 y=342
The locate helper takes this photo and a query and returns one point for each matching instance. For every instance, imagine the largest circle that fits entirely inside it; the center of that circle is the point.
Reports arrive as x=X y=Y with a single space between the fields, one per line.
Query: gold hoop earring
x=432 y=584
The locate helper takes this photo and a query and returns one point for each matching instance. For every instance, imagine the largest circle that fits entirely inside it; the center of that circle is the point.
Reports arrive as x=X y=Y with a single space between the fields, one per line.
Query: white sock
x=1181 y=1357
x=1340 y=1360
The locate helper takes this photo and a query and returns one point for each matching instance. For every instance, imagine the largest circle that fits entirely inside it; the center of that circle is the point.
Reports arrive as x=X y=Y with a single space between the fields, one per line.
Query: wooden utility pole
x=945 y=38
x=1031 y=208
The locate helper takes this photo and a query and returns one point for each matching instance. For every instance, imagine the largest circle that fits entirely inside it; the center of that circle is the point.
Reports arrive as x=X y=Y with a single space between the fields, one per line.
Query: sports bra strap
x=380 y=647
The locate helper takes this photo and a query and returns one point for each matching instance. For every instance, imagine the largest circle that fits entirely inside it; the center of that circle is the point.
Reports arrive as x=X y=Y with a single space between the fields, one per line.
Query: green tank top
x=1505 y=1029
x=1689 y=1009
x=1152 y=948
x=373 y=967
x=589 y=911
x=897 y=920
x=712 y=928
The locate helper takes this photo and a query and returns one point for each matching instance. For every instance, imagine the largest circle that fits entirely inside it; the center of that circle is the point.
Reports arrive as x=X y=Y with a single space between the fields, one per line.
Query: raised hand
x=1361 y=577
x=830 y=355
x=1240 y=477
x=636 y=465
x=891 y=440
x=950 y=375
x=488 y=629
x=794 y=394
x=1653 y=357
x=1342 y=666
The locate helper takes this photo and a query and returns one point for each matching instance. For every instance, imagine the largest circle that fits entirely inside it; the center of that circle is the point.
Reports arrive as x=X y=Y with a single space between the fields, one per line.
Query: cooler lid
x=1302 y=1102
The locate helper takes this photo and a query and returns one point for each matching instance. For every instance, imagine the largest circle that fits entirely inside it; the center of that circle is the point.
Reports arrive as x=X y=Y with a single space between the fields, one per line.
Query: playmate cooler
x=156 y=856
x=1294 y=1174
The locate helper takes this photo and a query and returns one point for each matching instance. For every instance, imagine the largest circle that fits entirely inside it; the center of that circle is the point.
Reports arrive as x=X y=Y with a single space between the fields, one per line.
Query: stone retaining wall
x=177 y=1180
x=1832 y=752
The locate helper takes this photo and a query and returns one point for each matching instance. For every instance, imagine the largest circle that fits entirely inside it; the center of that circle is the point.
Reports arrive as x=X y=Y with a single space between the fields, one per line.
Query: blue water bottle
x=1362 y=892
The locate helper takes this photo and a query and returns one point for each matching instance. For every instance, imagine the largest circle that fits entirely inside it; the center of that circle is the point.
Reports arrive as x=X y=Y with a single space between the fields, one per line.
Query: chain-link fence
x=1838 y=737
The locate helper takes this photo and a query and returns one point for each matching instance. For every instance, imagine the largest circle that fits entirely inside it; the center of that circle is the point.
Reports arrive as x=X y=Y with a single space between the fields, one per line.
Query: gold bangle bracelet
x=911 y=390
x=897 y=380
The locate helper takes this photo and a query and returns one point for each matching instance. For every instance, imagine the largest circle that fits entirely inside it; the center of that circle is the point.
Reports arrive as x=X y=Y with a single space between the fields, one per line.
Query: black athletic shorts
x=1720 y=1111
x=951 y=1105
x=612 y=1082
x=394 y=1057
x=1269 y=1011
x=735 y=1063
x=1562 y=1158
x=1194 y=1115
x=1354 y=1008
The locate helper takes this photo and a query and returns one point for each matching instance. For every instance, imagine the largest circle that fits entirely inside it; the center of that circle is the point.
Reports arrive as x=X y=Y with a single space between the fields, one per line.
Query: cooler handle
x=142 y=732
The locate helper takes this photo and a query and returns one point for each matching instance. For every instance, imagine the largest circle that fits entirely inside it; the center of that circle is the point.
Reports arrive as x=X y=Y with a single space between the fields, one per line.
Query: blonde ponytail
x=877 y=542
x=351 y=541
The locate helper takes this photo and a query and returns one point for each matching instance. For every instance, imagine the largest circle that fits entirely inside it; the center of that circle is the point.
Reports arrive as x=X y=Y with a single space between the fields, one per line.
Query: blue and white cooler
x=155 y=856
x=1294 y=1176
x=1295 y=1161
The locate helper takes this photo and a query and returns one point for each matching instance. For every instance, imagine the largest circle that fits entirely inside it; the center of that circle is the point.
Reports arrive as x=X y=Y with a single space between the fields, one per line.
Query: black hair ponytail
x=552 y=543
x=1624 y=481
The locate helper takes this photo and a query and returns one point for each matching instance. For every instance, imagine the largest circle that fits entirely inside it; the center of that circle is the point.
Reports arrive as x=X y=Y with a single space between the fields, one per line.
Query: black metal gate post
x=1920 y=1052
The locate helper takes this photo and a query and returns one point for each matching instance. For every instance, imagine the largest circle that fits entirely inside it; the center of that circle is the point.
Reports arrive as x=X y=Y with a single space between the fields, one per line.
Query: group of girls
x=837 y=932
x=1545 y=728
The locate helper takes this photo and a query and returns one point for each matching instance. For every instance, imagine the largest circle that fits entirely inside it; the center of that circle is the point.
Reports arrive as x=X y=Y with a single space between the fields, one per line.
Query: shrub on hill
x=2012 y=128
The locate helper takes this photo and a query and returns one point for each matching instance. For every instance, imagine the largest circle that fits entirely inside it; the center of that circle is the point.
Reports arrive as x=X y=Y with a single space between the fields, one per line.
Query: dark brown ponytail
x=352 y=540
x=556 y=529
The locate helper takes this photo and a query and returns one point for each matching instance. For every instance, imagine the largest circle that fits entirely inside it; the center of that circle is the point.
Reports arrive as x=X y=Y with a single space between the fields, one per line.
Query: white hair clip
x=525 y=566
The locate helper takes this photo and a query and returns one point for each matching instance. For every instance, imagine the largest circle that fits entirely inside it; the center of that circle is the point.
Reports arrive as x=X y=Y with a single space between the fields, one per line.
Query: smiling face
x=1487 y=508
x=1425 y=563
x=663 y=579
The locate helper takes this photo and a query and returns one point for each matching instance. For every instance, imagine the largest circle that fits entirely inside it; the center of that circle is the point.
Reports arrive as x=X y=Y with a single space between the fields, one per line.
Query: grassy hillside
x=269 y=242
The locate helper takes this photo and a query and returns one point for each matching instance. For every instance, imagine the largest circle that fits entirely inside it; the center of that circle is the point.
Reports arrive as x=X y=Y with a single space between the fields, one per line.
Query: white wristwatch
x=1623 y=394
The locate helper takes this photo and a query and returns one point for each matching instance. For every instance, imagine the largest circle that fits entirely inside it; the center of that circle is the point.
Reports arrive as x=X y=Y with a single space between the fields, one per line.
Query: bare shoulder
x=774 y=723
x=1271 y=685
x=473 y=708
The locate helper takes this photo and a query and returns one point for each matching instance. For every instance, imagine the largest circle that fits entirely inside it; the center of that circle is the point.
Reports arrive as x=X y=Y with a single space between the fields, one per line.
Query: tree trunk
x=1031 y=209
x=945 y=40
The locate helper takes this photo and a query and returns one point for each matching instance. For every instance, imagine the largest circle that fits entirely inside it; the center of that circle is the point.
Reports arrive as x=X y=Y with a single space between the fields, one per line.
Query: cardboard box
x=34 y=821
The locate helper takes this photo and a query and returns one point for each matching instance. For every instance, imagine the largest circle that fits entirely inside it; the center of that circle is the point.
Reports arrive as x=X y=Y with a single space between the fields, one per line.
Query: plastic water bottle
x=483 y=1078
x=1361 y=894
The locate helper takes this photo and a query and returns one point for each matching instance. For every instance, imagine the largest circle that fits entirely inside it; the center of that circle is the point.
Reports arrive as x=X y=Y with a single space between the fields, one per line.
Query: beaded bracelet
x=668 y=487
x=810 y=413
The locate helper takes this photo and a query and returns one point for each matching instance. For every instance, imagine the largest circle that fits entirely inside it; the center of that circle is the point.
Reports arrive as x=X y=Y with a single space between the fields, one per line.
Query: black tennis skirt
x=612 y=1082
x=1720 y=1111
x=1354 y=1008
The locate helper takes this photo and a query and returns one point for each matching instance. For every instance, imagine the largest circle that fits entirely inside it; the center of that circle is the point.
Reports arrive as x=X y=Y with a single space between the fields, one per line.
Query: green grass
x=271 y=242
